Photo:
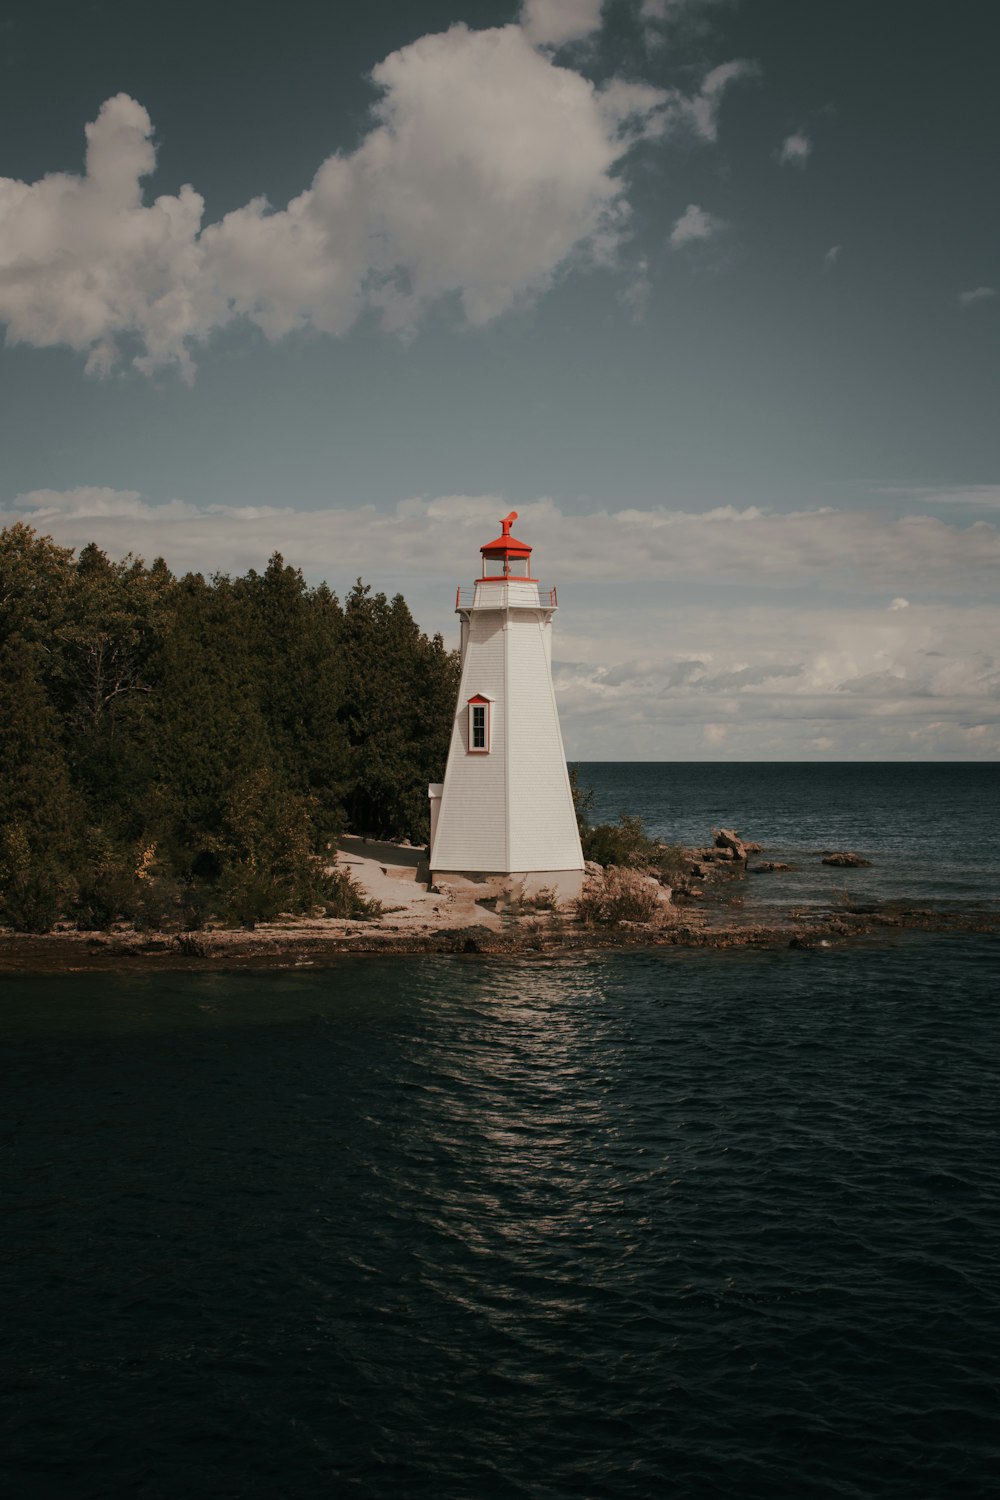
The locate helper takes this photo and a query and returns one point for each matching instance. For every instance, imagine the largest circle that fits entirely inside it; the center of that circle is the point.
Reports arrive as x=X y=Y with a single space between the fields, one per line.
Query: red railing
x=465 y=598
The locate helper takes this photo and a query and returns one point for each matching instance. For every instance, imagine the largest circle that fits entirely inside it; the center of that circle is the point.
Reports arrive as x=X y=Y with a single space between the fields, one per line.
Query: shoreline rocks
x=320 y=943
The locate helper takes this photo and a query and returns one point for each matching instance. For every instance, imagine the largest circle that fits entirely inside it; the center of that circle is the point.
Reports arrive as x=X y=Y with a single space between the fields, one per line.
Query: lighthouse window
x=479 y=728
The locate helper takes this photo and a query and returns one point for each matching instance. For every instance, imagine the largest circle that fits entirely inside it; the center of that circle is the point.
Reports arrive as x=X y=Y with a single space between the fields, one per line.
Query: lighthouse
x=505 y=808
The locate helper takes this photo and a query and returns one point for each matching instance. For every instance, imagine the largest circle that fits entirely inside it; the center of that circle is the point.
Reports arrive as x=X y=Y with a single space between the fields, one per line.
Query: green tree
x=400 y=702
x=297 y=637
x=116 y=617
x=205 y=729
x=40 y=815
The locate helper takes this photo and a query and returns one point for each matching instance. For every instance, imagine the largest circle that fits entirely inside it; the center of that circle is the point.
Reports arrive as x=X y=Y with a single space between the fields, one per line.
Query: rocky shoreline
x=691 y=911
x=315 y=945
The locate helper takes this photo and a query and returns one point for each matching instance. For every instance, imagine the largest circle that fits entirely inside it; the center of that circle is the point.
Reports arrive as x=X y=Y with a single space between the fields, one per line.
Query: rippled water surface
x=931 y=831
x=645 y=1224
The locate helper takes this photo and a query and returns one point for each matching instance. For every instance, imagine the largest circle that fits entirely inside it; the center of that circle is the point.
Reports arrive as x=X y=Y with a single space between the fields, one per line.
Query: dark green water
x=652 y=1224
x=932 y=831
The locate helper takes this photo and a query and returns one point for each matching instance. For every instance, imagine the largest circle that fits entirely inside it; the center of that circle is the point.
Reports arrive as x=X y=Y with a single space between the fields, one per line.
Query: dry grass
x=620 y=896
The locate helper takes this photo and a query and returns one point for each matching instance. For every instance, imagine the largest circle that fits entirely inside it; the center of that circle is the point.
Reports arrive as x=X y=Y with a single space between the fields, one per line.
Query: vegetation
x=178 y=750
x=626 y=843
x=619 y=896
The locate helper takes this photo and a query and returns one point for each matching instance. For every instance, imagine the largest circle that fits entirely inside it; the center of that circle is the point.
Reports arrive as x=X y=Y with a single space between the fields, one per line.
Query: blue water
x=626 y=1225
x=931 y=831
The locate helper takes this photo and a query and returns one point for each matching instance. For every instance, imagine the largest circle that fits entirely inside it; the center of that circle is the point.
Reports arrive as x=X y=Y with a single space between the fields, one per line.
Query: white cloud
x=651 y=642
x=835 y=549
x=899 y=603
x=978 y=294
x=555 y=22
x=795 y=149
x=487 y=171
x=832 y=256
x=660 y=19
x=975 y=496
x=700 y=112
x=694 y=224
x=81 y=260
x=636 y=293
x=864 y=687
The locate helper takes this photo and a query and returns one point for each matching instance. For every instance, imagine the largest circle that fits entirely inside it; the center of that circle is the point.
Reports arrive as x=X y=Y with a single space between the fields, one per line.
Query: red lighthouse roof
x=506 y=545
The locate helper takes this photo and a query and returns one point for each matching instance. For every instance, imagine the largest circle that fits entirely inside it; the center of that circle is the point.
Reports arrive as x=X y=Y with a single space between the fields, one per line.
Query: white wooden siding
x=511 y=810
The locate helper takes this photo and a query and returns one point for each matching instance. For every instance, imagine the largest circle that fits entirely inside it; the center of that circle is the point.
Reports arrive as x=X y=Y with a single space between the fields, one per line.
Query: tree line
x=177 y=750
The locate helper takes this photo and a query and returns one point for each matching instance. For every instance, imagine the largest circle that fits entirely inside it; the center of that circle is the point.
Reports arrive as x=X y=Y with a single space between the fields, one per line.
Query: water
x=626 y=1225
x=932 y=831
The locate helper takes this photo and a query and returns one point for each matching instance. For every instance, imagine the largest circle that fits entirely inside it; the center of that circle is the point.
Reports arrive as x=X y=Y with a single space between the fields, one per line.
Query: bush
x=248 y=895
x=621 y=895
x=627 y=844
x=34 y=888
x=341 y=896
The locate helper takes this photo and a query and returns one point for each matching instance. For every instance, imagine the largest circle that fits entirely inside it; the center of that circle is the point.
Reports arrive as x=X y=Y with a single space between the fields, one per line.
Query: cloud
x=487 y=171
x=663 y=19
x=636 y=293
x=899 y=603
x=694 y=224
x=978 y=294
x=555 y=22
x=865 y=687
x=831 y=257
x=832 y=549
x=700 y=112
x=795 y=149
x=975 y=496
x=670 y=620
x=81 y=260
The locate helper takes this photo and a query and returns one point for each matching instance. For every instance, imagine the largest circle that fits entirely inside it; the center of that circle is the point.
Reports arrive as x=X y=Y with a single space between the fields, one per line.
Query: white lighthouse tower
x=505 y=808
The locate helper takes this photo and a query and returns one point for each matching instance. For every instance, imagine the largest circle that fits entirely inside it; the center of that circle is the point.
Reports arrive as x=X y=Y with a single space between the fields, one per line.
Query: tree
x=400 y=703
x=299 y=668
x=40 y=815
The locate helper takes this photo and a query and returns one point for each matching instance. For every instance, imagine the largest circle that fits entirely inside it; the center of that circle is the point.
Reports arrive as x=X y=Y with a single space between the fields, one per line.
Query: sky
x=708 y=291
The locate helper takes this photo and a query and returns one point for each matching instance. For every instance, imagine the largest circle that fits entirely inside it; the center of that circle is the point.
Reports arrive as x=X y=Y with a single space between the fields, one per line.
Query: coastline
x=704 y=910
x=317 y=944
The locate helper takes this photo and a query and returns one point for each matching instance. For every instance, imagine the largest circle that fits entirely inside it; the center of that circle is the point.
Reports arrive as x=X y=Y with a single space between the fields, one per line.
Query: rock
x=728 y=838
x=754 y=848
x=593 y=869
x=846 y=861
x=769 y=867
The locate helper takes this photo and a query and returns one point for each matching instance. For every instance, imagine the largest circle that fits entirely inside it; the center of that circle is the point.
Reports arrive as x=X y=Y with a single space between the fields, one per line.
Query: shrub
x=517 y=904
x=341 y=896
x=621 y=895
x=628 y=845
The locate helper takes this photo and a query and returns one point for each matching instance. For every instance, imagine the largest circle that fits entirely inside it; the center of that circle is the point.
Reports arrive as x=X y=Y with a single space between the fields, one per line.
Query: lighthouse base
x=561 y=886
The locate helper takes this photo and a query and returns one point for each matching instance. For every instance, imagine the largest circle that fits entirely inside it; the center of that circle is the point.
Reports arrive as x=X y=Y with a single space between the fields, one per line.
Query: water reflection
x=463 y=1226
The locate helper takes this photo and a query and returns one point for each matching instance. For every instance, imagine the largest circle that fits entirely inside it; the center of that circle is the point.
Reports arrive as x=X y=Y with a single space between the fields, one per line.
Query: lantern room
x=506 y=557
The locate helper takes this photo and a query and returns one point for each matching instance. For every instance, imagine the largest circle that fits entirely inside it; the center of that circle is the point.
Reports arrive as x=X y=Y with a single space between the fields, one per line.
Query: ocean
x=931 y=831
x=637 y=1224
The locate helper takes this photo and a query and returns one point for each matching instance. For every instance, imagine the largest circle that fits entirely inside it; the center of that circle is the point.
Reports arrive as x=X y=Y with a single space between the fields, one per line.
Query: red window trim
x=479 y=701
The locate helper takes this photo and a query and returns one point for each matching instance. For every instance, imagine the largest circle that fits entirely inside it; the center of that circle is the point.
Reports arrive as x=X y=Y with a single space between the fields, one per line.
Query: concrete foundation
x=515 y=885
